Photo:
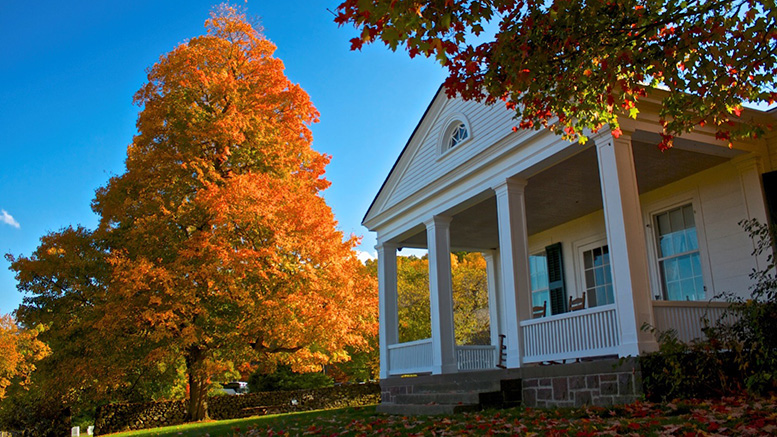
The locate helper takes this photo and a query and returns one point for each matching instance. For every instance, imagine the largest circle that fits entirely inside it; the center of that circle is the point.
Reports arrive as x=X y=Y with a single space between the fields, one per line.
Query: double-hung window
x=678 y=255
x=598 y=276
x=538 y=271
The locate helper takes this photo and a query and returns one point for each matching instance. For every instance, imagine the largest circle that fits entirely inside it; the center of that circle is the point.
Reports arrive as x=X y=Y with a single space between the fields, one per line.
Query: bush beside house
x=739 y=354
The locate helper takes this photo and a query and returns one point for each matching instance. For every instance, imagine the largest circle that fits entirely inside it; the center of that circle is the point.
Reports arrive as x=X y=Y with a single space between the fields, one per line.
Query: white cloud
x=364 y=256
x=8 y=219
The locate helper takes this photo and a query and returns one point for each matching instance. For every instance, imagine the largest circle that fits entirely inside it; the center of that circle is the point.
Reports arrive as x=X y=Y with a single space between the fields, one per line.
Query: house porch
x=568 y=185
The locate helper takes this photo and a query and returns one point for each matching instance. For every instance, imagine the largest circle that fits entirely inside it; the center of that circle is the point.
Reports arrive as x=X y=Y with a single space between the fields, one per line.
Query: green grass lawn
x=726 y=416
x=290 y=421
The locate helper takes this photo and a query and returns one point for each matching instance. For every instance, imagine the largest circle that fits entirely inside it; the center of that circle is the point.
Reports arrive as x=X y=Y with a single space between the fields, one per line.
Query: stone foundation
x=602 y=382
x=483 y=381
x=579 y=384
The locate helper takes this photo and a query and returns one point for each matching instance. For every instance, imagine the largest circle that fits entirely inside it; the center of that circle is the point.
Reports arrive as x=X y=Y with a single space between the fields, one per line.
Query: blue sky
x=69 y=71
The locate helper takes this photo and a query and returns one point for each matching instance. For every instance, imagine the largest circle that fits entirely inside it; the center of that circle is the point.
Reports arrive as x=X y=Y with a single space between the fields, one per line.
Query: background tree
x=19 y=350
x=413 y=298
x=575 y=65
x=364 y=364
x=470 y=298
x=283 y=378
x=214 y=248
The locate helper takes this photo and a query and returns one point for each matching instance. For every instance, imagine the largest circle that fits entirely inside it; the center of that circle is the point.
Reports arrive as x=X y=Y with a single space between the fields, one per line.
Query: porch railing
x=688 y=318
x=475 y=357
x=586 y=333
x=410 y=357
x=416 y=357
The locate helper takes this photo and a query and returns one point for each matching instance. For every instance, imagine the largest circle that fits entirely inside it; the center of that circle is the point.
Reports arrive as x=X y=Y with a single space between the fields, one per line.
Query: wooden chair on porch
x=577 y=304
x=539 y=311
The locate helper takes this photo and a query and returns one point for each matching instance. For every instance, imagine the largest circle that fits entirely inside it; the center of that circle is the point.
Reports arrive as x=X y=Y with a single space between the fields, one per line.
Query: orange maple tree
x=217 y=246
x=19 y=350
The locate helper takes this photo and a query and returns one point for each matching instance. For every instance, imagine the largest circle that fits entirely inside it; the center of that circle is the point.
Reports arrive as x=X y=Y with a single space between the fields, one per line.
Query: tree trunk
x=198 y=385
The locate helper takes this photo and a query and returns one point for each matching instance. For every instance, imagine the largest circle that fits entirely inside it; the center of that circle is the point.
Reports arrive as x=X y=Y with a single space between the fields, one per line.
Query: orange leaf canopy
x=223 y=238
x=214 y=248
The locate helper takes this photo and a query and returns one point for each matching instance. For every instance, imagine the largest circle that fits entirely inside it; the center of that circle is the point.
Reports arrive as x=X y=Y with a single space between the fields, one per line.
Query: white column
x=441 y=295
x=626 y=240
x=387 y=303
x=514 y=263
x=494 y=304
x=750 y=170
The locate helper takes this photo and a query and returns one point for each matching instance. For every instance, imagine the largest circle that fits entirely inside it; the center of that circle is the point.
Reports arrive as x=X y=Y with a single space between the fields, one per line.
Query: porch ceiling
x=569 y=190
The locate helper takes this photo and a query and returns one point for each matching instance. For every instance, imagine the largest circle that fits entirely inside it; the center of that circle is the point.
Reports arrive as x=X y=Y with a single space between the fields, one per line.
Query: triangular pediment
x=427 y=157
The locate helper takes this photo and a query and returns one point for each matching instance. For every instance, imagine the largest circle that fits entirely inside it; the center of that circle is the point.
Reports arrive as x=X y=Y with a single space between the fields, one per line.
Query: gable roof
x=383 y=186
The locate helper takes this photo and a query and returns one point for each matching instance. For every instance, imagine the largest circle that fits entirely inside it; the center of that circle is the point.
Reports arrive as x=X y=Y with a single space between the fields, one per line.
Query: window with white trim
x=538 y=272
x=597 y=276
x=546 y=273
x=456 y=132
x=679 y=260
x=456 y=135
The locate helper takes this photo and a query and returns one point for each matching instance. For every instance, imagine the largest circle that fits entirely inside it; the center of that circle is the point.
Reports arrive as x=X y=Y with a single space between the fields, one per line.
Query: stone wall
x=602 y=382
x=602 y=389
x=124 y=417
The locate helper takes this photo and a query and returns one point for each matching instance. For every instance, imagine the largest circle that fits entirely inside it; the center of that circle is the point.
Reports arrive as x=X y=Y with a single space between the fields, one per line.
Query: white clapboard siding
x=586 y=333
x=410 y=357
x=728 y=246
x=475 y=357
x=688 y=319
x=488 y=125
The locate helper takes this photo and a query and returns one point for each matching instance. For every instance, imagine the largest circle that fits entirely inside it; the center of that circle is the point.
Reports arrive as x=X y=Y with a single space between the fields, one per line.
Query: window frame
x=580 y=248
x=456 y=129
x=543 y=254
x=652 y=236
x=452 y=123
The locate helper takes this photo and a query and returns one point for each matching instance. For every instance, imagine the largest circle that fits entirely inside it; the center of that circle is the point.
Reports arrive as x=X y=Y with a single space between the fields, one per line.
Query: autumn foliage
x=214 y=249
x=470 y=298
x=573 y=66
x=19 y=350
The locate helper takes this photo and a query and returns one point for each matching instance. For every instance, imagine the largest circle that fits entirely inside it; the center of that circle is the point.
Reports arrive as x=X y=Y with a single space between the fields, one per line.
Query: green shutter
x=558 y=295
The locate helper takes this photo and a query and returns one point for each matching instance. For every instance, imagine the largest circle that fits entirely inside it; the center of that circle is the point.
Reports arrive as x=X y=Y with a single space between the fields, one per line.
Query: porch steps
x=454 y=397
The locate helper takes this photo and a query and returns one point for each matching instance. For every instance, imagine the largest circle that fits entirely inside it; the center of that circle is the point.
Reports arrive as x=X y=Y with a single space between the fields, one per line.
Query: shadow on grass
x=289 y=421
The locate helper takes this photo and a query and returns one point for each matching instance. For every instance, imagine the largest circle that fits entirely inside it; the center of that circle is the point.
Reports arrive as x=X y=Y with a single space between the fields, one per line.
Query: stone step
x=448 y=396
x=458 y=386
x=425 y=410
x=453 y=398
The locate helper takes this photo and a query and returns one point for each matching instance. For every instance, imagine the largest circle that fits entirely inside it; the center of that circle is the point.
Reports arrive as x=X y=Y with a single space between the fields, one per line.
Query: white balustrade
x=477 y=357
x=586 y=333
x=416 y=357
x=410 y=357
x=688 y=318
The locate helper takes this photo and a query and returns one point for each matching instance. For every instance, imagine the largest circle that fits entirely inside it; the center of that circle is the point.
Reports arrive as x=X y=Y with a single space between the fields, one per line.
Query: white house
x=648 y=237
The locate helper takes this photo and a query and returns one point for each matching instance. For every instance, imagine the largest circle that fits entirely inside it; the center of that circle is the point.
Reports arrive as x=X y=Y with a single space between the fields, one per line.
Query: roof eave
x=404 y=149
